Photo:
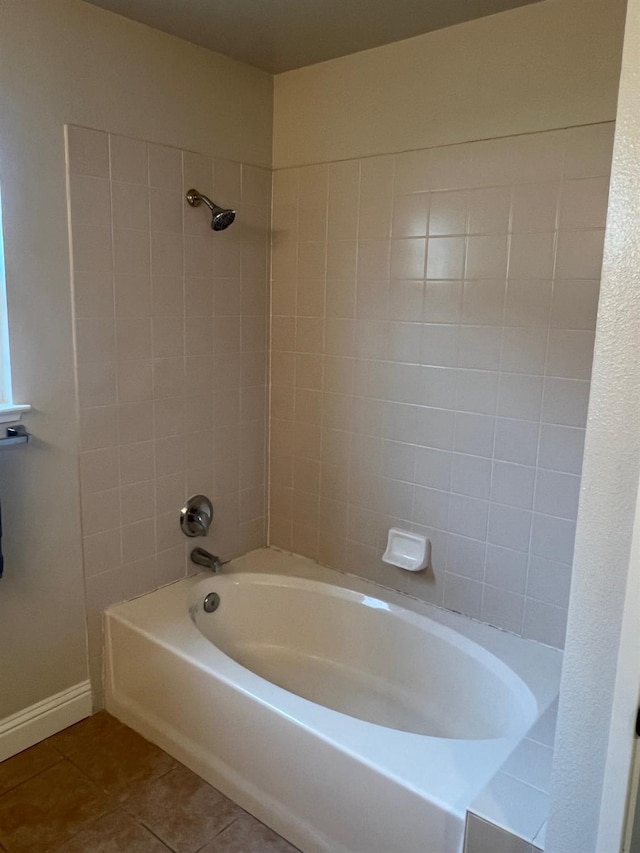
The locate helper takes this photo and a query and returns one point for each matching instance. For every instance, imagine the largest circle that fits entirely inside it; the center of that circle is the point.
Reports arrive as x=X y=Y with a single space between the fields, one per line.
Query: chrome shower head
x=221 y=217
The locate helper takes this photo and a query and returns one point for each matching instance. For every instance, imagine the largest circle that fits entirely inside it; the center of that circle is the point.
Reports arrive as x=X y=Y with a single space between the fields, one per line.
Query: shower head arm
x=194 y=198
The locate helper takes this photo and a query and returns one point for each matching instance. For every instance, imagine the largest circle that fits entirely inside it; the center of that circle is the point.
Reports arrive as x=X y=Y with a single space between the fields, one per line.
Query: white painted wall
x=601 y=674
x=69 y=62
x=543 y=66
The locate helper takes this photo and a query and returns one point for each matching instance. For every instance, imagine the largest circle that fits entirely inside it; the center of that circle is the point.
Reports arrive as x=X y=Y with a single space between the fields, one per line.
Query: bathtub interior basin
x=362 y=656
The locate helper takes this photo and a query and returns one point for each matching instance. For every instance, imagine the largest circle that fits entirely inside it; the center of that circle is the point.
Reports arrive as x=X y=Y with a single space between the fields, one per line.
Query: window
x=8 y=410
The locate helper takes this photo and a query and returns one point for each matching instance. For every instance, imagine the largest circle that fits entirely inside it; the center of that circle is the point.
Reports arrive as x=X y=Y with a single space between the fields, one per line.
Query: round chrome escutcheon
x=211 y=602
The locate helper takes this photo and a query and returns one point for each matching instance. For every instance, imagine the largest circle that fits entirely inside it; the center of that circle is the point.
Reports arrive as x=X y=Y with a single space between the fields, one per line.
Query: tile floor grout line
x=28 y=779
x=142 y=823
x=49 y=742
x=127 y=794
x=81 y=828
x=151 y=831
x=81 y=771
x=61 y=838
x=224 y=829
x=112 y=797
x=135 y=792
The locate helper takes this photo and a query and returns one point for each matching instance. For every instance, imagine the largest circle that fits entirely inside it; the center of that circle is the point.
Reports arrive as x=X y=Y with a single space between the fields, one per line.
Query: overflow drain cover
x=211 y=602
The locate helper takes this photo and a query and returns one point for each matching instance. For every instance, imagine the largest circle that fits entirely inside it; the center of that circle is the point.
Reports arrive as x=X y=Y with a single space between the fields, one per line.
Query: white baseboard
x=44 y=719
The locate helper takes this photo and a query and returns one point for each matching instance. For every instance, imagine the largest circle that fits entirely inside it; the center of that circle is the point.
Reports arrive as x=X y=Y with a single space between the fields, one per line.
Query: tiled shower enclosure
x=433 y=318
x=171 y=348
x=431 y=322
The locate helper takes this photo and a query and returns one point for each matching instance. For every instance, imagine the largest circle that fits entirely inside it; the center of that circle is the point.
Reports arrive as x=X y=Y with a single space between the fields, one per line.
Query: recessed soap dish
x=409 y=551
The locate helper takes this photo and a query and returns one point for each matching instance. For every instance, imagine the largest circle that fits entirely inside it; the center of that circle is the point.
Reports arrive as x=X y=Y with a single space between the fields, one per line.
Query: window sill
x=10 y=413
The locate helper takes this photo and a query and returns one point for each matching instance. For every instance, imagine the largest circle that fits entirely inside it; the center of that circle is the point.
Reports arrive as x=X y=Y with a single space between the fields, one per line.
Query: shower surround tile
x=433 y=315
x=428 y=307
x=171 y=348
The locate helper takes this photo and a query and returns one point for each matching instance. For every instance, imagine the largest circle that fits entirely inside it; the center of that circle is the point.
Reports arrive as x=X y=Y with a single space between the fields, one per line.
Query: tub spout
x=208 y=561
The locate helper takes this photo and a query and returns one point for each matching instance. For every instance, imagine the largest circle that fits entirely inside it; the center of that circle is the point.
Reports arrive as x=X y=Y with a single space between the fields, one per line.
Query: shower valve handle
x=196 y=516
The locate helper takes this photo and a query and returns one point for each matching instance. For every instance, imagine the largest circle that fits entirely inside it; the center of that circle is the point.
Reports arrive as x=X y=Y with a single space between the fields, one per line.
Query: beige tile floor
x=98 y=787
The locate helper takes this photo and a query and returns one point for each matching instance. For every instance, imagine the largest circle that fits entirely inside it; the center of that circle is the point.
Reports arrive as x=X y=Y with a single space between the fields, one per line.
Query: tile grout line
x=219 y=833
x=29 y=778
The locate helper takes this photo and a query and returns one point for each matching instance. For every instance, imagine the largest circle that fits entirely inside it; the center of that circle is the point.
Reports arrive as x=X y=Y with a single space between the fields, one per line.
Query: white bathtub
x=349 y=718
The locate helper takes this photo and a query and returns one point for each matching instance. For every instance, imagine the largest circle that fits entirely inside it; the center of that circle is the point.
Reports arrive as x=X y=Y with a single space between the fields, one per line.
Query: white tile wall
x=510 y=814
x=433 y=318
x=171 y=341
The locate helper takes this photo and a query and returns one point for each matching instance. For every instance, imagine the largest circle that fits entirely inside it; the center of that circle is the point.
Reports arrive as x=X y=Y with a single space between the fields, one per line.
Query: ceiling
x=278 y=35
